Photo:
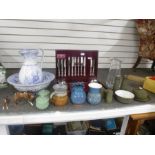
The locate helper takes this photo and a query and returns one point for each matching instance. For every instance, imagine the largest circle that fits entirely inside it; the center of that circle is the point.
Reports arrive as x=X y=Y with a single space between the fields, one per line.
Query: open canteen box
x=76 y=66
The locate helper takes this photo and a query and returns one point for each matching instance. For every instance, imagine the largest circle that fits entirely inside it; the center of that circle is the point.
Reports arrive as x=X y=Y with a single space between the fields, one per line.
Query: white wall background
x=112 y=38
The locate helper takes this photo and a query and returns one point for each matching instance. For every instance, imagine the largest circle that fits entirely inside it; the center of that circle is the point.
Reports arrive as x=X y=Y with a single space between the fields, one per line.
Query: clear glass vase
x=114 y=71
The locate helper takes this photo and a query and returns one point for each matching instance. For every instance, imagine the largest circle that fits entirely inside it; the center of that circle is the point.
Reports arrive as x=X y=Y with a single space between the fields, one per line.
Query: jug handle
x=52 y=94
x=42 y=58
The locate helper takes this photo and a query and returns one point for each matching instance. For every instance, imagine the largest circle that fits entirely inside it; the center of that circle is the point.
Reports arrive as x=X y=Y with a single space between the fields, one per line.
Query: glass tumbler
x=114 y=70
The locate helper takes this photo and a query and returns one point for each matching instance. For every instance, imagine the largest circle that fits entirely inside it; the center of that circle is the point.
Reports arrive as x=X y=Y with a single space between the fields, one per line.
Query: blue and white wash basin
x=47 y=79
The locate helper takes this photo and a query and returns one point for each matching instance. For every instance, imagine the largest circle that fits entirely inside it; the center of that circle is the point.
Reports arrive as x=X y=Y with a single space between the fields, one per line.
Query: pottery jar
x=94 y=95
x=42 y=102
x=109 y=95
x=78 y=95
x=59 y=96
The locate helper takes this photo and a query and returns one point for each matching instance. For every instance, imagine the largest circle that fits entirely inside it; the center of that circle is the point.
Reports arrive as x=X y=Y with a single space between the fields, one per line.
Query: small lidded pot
x=42 y=101
x=94 y=95
x=59 y=96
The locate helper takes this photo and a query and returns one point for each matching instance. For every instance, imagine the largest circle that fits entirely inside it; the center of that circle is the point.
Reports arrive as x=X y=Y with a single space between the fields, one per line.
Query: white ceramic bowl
x=124 y=96
x=47 y=78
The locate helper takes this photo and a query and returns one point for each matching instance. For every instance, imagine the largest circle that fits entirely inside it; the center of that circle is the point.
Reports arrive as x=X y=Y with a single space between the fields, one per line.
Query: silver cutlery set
x=75 y=66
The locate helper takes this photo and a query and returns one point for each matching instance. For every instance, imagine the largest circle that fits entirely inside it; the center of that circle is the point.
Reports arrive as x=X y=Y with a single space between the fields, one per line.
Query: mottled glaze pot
x=141 y=95
x=94 y=95
x=78 y=95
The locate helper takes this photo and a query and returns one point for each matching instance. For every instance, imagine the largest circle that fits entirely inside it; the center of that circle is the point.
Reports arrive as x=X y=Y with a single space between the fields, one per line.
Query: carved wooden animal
x=23 y=96
x=5 y=104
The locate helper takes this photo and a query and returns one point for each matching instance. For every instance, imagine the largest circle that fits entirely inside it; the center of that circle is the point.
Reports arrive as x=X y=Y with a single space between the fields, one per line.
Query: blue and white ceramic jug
x=30 y=72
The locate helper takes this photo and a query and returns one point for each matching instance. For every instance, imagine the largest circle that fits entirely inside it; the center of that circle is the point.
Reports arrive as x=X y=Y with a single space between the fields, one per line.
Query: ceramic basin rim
x=95 y=85
x=37 y=84
x=124 y=91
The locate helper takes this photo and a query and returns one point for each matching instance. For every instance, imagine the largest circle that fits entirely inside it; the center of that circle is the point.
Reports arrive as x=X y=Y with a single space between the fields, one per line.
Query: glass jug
x=114 y=71
x=31 y=72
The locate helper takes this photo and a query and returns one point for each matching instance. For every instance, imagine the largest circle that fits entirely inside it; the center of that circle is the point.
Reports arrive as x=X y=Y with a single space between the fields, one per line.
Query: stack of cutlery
x=70 y=65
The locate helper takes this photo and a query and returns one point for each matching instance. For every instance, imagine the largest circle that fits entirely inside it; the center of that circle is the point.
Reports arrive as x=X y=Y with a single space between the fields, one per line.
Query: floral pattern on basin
x=47 y=78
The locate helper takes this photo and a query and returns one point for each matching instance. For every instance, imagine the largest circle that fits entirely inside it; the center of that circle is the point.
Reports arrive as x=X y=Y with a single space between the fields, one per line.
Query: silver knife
x=64 y=67
x=58 y=66
x=75 y=66
x=81 y=63
x=84 y=66
x=69 y=61
x=72 y=65
x=78 y=65
x=93 y=68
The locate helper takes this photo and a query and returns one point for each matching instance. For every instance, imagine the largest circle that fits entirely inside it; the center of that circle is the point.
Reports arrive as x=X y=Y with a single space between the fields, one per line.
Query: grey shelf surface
x=25 y=114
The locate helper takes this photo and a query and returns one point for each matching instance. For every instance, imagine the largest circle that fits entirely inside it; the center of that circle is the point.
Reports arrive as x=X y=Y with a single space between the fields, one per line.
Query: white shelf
x=74 y=113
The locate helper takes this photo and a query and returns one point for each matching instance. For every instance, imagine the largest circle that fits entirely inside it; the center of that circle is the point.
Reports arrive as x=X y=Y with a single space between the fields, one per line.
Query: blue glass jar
x=94 y=95
x=78 y=95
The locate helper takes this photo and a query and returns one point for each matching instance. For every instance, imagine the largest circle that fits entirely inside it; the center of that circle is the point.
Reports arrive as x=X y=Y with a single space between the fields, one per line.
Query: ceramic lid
x=60 y=87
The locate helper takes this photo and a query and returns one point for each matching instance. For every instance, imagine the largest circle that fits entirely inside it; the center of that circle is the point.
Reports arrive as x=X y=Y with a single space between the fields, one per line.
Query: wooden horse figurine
x=29 y=97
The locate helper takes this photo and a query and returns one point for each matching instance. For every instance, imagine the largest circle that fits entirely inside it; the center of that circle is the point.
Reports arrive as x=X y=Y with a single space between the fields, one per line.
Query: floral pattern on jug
x=30 y=72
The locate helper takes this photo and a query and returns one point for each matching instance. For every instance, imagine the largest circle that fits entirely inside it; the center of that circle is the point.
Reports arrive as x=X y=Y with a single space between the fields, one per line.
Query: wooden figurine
x=29 y=97
x=5 y=104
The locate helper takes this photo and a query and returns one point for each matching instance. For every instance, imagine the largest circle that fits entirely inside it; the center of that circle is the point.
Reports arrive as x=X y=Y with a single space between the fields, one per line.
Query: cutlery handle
x=75 y=66
x=72 y=65
x=84 y=66
x=68 y=66
x=93 y=68
x=64 y=67
x=81 y=63
x=58 y=66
